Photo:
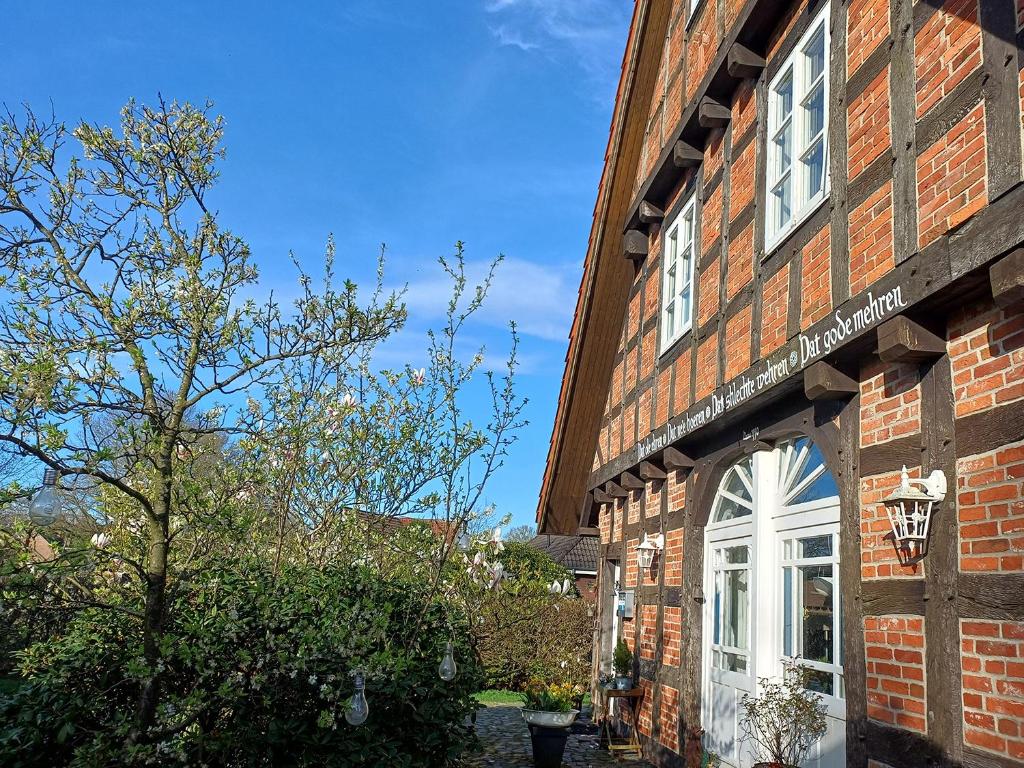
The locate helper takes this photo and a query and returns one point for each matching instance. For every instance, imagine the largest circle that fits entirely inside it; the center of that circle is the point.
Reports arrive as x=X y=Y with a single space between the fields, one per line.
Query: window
x=812 y=611
x=694 y=5
x=677 y=277
x=798 y=133
x=730 y=643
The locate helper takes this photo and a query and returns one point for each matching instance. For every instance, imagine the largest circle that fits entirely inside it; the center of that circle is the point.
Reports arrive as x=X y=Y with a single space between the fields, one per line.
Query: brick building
x=806 y=272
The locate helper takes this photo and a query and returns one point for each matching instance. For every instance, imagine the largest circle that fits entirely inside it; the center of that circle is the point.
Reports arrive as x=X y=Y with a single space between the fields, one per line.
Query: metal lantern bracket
x=648 y=548
x=910 y=510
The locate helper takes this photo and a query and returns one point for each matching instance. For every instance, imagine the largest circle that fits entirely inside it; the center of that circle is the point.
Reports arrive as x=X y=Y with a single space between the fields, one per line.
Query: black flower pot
x=548 y=745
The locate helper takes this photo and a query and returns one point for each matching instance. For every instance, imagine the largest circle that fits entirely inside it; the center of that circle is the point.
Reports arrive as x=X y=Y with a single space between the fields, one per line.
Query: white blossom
x=100 y=540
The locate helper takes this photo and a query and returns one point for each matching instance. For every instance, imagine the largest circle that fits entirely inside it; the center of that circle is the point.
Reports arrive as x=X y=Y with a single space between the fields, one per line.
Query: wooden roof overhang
x=607 y=278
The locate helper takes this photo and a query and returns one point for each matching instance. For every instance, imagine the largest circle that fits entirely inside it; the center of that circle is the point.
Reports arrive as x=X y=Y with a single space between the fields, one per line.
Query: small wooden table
x=632 y=743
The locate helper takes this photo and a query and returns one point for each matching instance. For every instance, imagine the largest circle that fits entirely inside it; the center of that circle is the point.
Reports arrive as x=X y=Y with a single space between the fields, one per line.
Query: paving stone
x=506 y=743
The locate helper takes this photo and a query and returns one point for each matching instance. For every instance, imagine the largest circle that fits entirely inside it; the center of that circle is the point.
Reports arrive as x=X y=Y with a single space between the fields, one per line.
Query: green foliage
x=492 y=696
x=622 y=659
x=257 y=673
x=551 y=697
x=785 y=719
x=525 y=563
x=526 y=630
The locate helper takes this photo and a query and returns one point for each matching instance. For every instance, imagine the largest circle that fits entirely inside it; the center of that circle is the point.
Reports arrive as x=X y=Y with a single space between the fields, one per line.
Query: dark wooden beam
x=713 y=114
x=615 y=490
x=825 y=382
x=742 y=62
x=588 y=531
x=634 y=245
x=674 y=459
x=1007 y=278
x=651 y=471
x=631 y=481
x=650 y=213
x=753 y=446
x=686 y=156
x=903 y=340
x=602 y=498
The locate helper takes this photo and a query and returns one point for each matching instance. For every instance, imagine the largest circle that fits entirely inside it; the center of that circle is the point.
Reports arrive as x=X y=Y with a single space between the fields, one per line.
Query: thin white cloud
x=539 y=298
x=592 y=33
x=509 y=37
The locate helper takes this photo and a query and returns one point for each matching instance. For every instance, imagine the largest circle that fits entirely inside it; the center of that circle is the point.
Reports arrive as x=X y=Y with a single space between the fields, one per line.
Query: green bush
x=525 y=631
x=622 y=659
x=256 y=672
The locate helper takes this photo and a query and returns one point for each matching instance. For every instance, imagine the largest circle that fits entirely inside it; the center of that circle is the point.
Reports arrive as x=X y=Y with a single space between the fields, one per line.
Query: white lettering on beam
x=806 y=349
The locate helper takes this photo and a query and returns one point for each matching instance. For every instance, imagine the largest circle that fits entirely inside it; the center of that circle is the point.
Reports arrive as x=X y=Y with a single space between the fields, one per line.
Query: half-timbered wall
x=925 y=157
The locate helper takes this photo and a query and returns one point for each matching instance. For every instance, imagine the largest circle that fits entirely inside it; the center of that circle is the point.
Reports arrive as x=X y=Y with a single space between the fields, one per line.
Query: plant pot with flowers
x=784 y=720
x=548 y=713
x=622 y=660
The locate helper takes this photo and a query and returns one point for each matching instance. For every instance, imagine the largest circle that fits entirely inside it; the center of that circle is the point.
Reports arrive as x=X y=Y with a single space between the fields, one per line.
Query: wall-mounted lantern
x=648 y=548
x=910 y=510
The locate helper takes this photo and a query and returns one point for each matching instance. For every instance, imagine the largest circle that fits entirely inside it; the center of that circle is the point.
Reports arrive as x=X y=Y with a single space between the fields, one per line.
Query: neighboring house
x=579 y=554
x=806 y=271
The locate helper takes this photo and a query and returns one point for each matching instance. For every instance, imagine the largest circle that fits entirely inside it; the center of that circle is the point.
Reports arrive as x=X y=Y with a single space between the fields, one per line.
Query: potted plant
x=548 y=713
x=622 y=660
x=784 y=720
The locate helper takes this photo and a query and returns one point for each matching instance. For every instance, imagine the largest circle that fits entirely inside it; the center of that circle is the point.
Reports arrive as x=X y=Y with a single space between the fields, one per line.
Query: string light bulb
x=45 y=506
x=358 y=709
x=447 y=670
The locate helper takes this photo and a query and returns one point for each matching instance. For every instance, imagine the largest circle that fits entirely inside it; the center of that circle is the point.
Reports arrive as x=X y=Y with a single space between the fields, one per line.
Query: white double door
x=771 y=591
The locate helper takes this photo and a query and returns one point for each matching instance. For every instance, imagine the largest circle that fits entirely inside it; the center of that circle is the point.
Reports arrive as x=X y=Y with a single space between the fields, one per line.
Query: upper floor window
x=798 y=132
x=677 y=276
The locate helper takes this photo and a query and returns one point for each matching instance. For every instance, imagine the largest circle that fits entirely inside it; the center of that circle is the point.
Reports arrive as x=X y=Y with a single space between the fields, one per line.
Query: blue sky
x=414 y=124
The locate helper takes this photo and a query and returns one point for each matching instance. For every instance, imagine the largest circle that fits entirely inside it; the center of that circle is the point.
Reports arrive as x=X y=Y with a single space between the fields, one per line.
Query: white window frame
x=693 y=6
x=801 y=205
x=685 y=223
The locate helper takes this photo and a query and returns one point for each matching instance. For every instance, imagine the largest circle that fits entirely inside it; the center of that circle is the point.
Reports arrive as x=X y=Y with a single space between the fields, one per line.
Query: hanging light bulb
x=447 y=669
x=358 y=710
x=45 y=507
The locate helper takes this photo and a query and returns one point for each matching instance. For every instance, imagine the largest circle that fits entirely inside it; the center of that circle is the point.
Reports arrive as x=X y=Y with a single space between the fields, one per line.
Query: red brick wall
x=744 y=110
x=816 y=279
x=646 y=707
x=867 y=26
x=871 y=239
x=708 y=294
x=668 y=717
x=951 y=178
x=741 y=262
x=894 y=650
x=661 y=400
x=671 y=635
x=993 y=686
x=990 y=510
x=714 y=153
x=673 y=557
x=682 y=398
x=868 y=124
x=946 y=49
x=986 y=351
x=711 y=220
x=774 y=308
x=737 y=343
x=741 y=181
x=890 y=402
x=707 y=366
x=703 y=45
x=648 y=631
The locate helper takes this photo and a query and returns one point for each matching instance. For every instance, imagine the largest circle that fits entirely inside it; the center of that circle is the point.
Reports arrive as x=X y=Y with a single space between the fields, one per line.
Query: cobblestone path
x=506 y=742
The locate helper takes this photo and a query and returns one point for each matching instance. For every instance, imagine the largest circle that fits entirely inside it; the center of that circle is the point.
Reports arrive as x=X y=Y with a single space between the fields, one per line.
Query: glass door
x=729 y=621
